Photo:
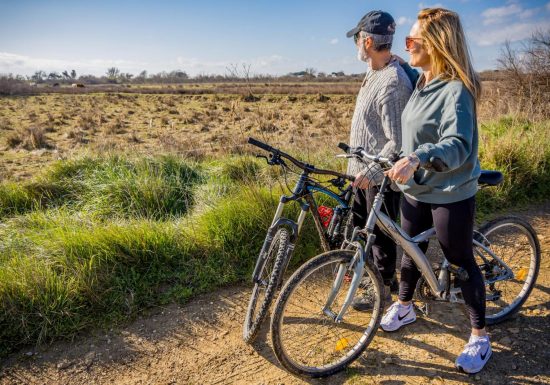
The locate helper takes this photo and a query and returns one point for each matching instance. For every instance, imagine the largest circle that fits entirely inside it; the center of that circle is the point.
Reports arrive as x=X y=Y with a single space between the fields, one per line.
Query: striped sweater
x=376 y=122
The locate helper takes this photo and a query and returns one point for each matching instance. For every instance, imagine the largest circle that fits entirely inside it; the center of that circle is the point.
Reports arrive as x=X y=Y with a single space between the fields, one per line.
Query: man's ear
x=368 y=42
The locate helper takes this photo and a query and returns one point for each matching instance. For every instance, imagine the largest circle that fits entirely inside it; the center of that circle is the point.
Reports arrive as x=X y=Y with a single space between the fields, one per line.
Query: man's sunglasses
x=409 y=41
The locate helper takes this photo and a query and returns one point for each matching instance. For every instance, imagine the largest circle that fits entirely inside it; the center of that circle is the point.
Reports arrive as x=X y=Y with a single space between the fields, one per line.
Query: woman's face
x=419 y=54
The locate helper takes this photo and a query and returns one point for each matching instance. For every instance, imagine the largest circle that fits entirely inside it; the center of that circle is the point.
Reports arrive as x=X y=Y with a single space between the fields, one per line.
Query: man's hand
x=403 y=169
x=362 y=181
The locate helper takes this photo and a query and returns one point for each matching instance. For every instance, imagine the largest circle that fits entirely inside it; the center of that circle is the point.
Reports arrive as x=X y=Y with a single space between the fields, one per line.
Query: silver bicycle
x=316 y=333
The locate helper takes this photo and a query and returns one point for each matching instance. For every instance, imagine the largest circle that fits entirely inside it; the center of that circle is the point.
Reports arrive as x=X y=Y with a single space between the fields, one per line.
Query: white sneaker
x=396 y=316
x=475 y=355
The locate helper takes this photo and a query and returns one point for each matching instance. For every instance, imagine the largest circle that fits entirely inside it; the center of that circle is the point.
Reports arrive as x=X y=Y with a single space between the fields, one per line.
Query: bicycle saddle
x=490 y=177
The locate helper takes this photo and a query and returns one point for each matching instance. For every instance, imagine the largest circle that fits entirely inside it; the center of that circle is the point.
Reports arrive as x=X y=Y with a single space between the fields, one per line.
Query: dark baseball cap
x=375 y=22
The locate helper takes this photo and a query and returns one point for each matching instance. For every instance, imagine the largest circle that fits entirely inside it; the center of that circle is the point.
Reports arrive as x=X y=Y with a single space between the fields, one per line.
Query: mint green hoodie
x=439 y=121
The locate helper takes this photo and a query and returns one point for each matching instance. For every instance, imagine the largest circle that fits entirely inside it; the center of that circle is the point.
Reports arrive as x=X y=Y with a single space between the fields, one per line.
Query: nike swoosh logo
x=484 y=355
x=400 y=318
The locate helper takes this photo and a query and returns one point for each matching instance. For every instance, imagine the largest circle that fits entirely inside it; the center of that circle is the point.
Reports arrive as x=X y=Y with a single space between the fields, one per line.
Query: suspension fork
x=358 y=262
x=357 y=265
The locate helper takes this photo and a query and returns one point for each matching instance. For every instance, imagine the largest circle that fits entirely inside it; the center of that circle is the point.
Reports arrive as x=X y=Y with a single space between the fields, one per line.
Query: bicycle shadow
x=508 y=361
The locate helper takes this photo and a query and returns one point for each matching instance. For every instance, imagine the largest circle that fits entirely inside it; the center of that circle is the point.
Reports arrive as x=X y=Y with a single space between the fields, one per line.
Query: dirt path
x=200 y=343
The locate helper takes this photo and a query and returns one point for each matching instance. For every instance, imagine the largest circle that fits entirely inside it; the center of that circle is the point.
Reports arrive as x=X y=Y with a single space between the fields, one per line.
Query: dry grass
x=192 y=125
x=30 y=138
x=195 y=125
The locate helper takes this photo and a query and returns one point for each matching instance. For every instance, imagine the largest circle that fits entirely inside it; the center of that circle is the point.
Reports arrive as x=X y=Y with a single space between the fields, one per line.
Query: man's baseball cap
x=375 y=22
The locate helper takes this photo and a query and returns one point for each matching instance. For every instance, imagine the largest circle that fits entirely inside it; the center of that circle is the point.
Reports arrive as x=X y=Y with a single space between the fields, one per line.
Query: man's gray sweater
x=376 y=123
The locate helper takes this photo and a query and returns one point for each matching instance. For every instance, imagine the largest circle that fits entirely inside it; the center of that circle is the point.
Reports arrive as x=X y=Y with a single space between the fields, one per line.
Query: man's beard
x=362 y=53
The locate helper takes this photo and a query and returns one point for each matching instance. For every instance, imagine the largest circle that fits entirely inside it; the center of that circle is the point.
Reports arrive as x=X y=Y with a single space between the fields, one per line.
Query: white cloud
x=263 y=64
x=510 y=22
x=333 y=41
x=11 y=62
x=267 y=61
x=526 y=14
x=502 y=11
x=502 y=14
x=512 y=32
x=404 y=21
x=196 y=63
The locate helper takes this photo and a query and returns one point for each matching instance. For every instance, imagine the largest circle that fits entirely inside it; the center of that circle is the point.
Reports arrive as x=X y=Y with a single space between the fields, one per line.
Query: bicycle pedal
x=424 y=309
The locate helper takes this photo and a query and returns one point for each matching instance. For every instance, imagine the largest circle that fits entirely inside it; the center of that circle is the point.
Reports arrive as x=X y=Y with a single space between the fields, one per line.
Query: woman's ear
x=428 y=48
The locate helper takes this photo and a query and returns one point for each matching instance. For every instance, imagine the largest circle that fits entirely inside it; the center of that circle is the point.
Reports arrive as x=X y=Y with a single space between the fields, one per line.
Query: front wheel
x=515 y=242
x=307 y=340
x=266 y=285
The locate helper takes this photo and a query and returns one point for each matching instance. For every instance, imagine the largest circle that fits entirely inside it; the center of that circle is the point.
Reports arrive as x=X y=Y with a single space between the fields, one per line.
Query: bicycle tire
x=277 y=253
x=305 y=271
x=488 y=230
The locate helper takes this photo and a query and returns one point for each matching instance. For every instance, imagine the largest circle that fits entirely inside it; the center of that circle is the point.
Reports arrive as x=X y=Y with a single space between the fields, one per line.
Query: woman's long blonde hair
x=444 y=37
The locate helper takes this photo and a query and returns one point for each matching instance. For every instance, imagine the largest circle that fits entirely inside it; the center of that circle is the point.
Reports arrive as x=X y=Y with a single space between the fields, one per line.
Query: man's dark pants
x=384 y=250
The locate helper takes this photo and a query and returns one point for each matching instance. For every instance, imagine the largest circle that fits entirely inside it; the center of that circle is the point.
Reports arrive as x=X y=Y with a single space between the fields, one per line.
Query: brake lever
x=263 y=156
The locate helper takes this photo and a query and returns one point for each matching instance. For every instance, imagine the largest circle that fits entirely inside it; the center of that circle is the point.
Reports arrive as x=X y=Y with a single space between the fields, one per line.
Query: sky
x=208 y=36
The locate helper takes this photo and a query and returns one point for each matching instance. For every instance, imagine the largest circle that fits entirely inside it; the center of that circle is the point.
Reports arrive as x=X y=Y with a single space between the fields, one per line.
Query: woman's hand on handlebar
x=403 y=169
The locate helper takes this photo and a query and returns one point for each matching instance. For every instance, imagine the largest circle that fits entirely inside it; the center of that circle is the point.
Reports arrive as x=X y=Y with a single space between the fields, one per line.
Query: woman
x=440 y=132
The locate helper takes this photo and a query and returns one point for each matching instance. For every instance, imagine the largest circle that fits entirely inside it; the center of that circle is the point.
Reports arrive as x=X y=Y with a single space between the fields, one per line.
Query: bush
x=521 y=151
x=110 y=187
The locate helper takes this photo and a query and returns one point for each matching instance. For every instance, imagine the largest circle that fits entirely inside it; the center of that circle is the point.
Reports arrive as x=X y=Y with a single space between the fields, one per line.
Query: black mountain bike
x=331 y=224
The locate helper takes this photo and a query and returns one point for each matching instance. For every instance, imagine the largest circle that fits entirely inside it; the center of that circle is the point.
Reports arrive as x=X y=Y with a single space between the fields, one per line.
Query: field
x=113 y=204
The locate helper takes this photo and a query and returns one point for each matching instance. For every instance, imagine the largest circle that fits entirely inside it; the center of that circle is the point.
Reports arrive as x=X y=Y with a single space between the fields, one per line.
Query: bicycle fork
x=357 y=265
x=277 y=222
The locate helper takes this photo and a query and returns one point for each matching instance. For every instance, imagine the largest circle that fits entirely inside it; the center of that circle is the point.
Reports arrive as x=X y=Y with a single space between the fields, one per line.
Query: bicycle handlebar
x=436 y=163
x=359 y=152
x=304 y=166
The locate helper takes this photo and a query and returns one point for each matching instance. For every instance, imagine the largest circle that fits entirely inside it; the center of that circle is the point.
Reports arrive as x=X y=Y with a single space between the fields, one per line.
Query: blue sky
x=274 y=37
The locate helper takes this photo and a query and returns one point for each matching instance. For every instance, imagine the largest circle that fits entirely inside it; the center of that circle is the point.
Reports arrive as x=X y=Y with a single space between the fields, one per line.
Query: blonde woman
x=440 y=132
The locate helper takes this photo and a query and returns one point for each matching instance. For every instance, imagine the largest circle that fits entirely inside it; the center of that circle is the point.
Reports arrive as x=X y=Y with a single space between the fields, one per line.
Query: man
x=376 y=126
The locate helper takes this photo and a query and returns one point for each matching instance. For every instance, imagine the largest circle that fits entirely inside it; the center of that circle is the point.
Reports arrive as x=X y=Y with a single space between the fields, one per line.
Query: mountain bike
x=316 y=333
x=280 y=241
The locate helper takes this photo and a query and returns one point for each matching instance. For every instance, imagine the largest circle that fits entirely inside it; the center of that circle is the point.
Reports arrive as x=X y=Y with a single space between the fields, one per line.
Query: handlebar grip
x=343 y=146
x=262 y=145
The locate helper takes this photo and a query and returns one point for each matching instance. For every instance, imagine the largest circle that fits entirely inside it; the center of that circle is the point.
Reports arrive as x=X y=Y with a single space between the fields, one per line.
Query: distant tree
x=38 y=76
x=73 y=74
x=179 y=75
x=527 y=71
x=125 y=77
x=66 y=75
x=54 y=76
x=112 y=74
x=311 y=72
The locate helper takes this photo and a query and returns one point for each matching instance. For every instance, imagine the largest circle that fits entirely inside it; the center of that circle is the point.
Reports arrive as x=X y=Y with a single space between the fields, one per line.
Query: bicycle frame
x=438 y=285
x=303 y=194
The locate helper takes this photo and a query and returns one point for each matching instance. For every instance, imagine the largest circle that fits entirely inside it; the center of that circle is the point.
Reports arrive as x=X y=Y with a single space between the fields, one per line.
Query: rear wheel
x=306 y=338
x=266 y=286
x=515 y=242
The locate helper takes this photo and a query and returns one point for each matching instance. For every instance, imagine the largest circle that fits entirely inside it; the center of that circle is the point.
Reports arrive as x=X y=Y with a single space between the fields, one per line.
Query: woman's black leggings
x=454 y=226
